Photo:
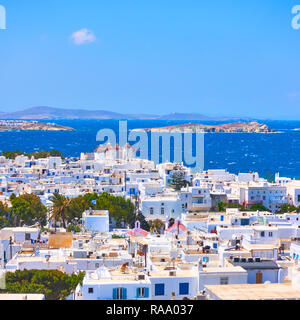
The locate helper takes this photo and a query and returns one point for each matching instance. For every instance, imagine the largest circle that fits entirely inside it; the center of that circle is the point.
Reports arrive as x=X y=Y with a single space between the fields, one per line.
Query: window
x=184 y=288
x=142 y=293
x=270 y=234
x=96 y=265
x=262 y=234
x=151 y=210
x=27 y=236
x=162 y=211
x=91 y=290
x=205 y=259
x=119 y=294
x=159 y=289
x=298 y=197
x=223 y=280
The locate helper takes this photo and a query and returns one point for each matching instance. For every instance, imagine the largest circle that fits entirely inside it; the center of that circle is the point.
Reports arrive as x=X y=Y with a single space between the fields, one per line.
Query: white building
x=174 y=284
x=103 y=284
x=96 y=220
x=161 y=206
x=222 y=276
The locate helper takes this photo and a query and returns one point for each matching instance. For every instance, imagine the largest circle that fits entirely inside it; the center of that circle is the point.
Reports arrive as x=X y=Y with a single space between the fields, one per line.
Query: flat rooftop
x=178 y=273
x=236 y=269
x=271 y=291
x=21 y=296
x=96 y=213
x=263 y=264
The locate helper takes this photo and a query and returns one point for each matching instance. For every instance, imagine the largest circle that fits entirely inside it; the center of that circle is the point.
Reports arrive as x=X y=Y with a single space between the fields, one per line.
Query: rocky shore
x=228 y=127
x=19 y=125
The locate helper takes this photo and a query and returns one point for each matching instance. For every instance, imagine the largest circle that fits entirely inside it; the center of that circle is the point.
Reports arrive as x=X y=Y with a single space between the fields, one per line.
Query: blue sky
x=237 y=58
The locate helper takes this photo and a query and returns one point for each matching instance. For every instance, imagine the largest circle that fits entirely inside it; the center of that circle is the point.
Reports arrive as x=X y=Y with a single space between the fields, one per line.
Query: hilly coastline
x=45 y=113
x=21 y=125
x=228 y=127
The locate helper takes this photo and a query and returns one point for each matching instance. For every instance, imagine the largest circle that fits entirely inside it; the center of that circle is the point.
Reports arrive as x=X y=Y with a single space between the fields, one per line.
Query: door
x=258 y=277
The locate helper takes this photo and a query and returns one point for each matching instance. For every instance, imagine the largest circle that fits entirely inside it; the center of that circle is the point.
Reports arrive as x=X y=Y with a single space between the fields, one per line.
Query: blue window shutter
x=159 y=289
x=146 y=292
x=124 y=294
x=137 y=292
x=114 y=294
x=184 y=288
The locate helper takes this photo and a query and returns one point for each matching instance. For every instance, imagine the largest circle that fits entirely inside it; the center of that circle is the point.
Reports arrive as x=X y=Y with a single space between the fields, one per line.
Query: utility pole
x=10 y=247
x=125 y=178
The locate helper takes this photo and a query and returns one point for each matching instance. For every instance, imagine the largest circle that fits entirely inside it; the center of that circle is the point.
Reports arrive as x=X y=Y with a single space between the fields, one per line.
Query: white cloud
x=83 y=36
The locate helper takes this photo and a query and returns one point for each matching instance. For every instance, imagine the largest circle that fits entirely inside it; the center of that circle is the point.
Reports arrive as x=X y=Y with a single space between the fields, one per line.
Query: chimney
x=200 y=265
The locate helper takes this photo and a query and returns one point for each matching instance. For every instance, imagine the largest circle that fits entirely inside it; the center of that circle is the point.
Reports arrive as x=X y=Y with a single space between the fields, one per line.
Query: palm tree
x=60 y=208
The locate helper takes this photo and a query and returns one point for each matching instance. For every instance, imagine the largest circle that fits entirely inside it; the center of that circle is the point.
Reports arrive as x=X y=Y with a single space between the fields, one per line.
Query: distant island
x=19 y=125
x=228 y=127
x=39 y=113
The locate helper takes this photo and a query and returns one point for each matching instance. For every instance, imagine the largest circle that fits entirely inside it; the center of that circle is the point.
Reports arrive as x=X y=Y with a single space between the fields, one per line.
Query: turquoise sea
x=237 y=152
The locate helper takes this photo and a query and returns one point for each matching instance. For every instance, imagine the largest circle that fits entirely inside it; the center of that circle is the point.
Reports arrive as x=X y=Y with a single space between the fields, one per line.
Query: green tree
x=36 y=155
x=73 y=228
x=120 y=210
x=285 y=208
x=178 y=180
x=54 y=284
x=60 y=208
x=258 y=207
x=144 y=224
x=27 y=209
x=222 y=206
x=4 y=215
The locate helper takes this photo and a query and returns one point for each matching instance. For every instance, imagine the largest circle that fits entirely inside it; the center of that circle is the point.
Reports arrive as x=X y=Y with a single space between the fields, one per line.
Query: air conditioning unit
x=141 y=277
x=257 y=260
